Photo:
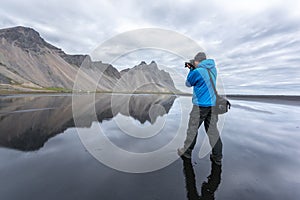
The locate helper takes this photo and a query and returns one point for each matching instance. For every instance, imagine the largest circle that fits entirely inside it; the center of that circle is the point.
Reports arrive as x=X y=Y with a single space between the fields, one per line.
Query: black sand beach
x=42 y=155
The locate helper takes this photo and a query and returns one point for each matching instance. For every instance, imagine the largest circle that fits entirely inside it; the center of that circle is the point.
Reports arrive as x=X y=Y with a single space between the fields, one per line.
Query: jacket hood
x=208 y=63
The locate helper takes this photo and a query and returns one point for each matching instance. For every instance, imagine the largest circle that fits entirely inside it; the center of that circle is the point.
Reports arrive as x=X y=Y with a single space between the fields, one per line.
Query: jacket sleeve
x=192 y=78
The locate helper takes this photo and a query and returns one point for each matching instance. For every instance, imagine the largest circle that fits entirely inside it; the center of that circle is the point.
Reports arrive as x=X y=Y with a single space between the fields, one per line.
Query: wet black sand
x=42 y=157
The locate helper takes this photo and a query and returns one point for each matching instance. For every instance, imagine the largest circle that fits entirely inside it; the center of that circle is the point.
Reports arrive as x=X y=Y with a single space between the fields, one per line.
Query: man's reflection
x=208 y=187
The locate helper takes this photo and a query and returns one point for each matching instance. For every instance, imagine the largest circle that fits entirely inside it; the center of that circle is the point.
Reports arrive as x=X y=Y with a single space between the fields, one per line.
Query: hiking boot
x=184 y=153
x=215 y=160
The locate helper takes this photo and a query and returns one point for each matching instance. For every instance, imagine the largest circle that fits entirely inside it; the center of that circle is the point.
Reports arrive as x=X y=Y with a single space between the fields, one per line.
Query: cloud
x=255 y=43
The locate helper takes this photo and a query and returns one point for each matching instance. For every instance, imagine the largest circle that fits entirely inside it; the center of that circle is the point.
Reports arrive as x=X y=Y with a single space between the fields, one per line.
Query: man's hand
x=189 y=65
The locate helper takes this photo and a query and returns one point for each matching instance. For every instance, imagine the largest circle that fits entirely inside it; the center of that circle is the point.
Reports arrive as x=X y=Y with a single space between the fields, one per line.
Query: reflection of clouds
x=268 y=131
x=263 y=150
x=247 y=108
x=163 y=130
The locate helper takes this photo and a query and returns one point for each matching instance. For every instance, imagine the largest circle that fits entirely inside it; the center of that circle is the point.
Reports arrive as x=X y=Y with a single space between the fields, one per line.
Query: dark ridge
x=30 y=40
x=4 y=79
x=125 y=70
x=279 y=99
x=34 y=139
x=76 y=60
x=26 y=38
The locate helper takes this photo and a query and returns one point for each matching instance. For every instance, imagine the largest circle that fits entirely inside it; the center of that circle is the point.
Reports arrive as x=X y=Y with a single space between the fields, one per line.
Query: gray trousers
x=199 y=115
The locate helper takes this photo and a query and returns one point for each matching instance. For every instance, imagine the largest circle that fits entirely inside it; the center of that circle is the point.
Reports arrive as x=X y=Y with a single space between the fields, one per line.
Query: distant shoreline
x=282 y=99
x=277 y=99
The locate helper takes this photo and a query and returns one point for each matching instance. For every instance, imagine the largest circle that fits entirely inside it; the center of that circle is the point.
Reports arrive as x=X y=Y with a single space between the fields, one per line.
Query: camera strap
x=211 y=82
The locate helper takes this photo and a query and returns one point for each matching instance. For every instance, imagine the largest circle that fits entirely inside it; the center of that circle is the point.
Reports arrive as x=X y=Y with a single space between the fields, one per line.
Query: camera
x=190 y=64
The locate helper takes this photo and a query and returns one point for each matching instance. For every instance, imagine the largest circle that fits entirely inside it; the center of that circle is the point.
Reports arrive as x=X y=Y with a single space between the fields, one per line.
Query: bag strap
x=212 y=83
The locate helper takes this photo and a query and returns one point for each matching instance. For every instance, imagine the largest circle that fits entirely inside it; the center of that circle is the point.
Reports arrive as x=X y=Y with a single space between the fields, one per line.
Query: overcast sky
x=255 y=43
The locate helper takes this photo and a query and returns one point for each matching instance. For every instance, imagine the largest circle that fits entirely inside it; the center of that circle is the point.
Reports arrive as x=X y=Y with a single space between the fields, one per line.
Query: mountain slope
x=28 y=62
x=147 y=78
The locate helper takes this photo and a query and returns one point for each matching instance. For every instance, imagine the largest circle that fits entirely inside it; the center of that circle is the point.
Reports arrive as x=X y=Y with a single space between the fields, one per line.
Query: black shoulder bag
x=222 y=104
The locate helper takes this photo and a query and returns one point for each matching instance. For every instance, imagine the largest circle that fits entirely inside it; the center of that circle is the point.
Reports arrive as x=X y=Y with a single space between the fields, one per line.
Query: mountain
x=29 y=63
x=147 y=78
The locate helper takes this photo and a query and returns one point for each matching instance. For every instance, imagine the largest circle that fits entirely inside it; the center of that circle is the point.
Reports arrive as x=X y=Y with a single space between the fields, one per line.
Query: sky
x=255 y=43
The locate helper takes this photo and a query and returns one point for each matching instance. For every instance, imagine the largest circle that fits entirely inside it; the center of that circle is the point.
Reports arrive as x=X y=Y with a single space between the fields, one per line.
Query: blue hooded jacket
x=203 y=92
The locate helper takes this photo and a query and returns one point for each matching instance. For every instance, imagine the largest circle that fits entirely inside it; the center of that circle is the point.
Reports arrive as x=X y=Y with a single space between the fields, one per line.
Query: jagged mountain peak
x=21 y=29
x=143 y=63
x=26 y=38
x=144 y=66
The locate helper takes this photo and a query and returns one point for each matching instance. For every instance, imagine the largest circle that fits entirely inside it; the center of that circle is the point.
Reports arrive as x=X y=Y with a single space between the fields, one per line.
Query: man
x=204 y=99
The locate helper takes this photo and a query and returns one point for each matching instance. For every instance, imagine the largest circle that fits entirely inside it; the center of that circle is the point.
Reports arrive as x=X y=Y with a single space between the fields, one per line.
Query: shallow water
x=44 y=156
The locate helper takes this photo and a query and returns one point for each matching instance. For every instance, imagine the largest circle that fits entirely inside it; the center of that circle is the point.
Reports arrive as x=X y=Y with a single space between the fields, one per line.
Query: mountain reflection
x=27 y=122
